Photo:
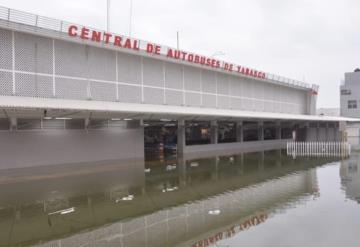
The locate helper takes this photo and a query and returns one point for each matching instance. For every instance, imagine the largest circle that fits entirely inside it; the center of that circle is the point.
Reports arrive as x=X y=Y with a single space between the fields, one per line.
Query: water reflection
x=195 y=203
x=350 y=177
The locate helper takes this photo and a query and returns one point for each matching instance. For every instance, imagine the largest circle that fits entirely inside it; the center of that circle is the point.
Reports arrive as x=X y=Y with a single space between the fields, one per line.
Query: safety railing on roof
x=39 y=23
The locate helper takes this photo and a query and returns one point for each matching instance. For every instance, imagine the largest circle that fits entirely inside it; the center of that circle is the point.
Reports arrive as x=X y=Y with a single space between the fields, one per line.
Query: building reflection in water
x=195 y=203
x=350 y=176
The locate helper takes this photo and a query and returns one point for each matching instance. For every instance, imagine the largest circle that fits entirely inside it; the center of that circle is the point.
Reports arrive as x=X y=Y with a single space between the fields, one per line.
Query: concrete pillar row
x=181 y=137
x=239 y=132
x=213 y=132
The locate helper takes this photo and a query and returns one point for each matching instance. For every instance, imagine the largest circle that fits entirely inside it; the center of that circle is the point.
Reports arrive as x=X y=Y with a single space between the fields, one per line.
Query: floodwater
x=251 y=199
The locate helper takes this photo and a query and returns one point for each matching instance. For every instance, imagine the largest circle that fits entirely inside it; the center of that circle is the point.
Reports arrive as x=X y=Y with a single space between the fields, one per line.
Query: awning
x=77 y=108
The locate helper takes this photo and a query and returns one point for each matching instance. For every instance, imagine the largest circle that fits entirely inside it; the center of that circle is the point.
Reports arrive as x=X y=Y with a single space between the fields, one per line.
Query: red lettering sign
x=133 y=44
x=96 y=36
x=84 y=33
x=72 y=31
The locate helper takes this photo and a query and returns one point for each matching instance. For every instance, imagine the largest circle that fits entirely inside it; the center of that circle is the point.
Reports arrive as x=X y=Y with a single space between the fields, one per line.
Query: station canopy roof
x=26 y=107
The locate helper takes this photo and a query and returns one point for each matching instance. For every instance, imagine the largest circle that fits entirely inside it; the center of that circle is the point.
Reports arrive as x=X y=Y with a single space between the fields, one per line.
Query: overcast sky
x=312 y=40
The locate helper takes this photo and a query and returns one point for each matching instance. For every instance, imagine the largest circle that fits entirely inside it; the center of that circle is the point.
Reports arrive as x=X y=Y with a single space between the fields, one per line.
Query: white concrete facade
x=43 y=63
x=350 y=95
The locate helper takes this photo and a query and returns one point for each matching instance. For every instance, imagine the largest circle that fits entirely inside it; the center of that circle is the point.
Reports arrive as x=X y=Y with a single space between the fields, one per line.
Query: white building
x=96 y=90
x=350 y=95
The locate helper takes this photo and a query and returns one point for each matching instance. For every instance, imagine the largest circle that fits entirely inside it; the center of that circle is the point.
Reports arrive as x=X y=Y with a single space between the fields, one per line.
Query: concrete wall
x=51 y=68
x=38 y=148
x=350 y=91
x=235 y=147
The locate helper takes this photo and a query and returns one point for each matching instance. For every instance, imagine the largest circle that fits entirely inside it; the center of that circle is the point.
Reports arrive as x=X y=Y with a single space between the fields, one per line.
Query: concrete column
x=261 y=130
x=295 y=131
x=239 y=132
x=181 y=137
x=13 y=123
x=278 y=130
x=87 y=123
x=327 y=132
x=318 y=132
x=214 y=132
x=306 y=130
x=336 y=133
x=342 y=131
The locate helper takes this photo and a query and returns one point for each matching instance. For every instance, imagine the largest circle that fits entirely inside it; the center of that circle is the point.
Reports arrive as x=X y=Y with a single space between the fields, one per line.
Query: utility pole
x=177 y=40
x=130 y=21
x=108 y=16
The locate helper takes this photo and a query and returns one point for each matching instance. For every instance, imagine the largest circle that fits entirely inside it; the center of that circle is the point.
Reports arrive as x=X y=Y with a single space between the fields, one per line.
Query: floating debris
x=125 y=198
x=128 y=198
x=170 y=189
x=63 y=211
x=194 y=164
x=170 y=167
x=214 y=212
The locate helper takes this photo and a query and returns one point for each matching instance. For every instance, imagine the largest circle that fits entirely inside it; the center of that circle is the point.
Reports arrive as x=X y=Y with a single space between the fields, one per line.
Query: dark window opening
x=226 y=132
x=345 y=92
x=352 y=104
x=198 y=133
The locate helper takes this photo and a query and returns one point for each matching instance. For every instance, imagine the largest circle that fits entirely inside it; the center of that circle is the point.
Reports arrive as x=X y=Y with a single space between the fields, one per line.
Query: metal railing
x=318 y=149
x=41 y=24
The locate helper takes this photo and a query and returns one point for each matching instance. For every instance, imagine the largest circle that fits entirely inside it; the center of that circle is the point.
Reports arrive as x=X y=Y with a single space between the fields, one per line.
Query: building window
x=345 y=92
x=352 y=104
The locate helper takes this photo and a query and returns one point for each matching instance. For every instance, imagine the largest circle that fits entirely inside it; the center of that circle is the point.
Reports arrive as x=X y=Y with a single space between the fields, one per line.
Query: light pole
x=177 y=40
x=108 y=16
x=130 y=21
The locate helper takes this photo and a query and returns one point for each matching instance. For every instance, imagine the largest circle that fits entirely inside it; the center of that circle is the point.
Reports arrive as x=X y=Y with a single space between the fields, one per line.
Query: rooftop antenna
x=108 y=16
x=177 y=40
x=130 y=21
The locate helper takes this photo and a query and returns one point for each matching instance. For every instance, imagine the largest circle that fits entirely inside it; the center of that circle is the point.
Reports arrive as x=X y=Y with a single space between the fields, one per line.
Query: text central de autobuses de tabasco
x=134 y=44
